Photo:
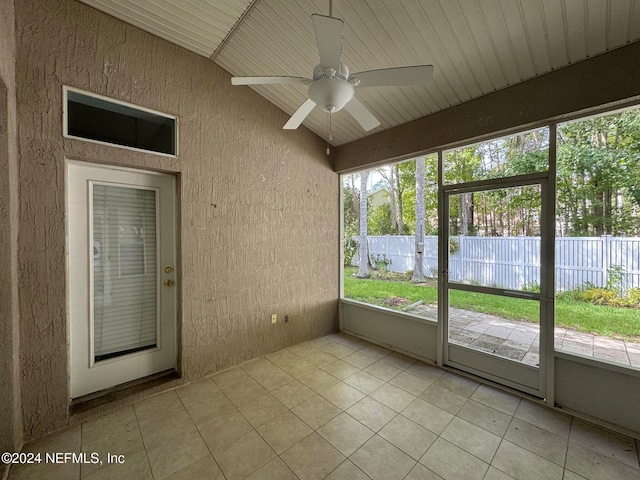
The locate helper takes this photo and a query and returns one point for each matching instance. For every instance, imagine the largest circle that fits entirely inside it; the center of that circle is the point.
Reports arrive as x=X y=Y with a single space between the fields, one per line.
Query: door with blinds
x=121 y=258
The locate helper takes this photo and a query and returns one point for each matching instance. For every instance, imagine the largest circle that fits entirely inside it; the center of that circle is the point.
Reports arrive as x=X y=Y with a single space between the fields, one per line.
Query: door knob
x=169 y=283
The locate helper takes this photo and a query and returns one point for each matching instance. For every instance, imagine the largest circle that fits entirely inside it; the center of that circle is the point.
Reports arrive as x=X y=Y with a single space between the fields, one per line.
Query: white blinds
x=124 y=270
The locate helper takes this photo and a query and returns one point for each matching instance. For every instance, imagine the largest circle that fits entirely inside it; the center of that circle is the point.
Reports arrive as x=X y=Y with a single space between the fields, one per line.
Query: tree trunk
x=501 y=234
x=597 y=210
x=418 y=270
x=608 y=211
x=355 y=201
x=584 y=219
x=363 y=268
x=464 y=219
x=520 y=230
x=400 y=208
x=392 y=199
x=466 y=213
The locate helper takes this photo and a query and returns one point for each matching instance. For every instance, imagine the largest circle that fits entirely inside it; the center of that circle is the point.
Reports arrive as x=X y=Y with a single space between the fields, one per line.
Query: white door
x=121 y=261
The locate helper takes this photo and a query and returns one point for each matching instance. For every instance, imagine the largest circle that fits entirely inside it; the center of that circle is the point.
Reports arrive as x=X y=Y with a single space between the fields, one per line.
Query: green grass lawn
x=581 y=316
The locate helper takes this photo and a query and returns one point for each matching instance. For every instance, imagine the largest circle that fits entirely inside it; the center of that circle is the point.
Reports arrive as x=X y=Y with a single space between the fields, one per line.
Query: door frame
x=80 y=279
x=531 y=380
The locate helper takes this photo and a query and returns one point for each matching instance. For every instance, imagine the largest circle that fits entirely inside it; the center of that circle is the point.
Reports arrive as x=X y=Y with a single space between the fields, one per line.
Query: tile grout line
x=345 y=410
x=288 y=411
x=255 y=429
x=144 y=445
x=199 y=433
x=502 y=439
x=456 y=416
x=566 y=452
x=566 y=457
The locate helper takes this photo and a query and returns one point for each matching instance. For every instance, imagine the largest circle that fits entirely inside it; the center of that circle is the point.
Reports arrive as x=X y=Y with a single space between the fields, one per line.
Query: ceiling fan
x=332 y=88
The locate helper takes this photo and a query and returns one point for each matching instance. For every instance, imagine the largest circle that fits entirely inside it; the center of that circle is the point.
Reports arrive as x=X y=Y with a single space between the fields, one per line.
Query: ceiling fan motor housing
x=326 y=72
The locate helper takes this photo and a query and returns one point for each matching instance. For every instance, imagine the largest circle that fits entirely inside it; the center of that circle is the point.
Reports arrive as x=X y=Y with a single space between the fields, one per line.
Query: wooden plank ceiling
x=476 y=46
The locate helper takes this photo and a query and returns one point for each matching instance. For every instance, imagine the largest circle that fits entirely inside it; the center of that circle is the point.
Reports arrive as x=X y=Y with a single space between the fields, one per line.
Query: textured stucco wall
x=10 y=431
x=259 y=205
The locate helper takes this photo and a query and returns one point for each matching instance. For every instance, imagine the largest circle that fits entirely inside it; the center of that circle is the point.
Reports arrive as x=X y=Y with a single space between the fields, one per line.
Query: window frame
x=65 y=121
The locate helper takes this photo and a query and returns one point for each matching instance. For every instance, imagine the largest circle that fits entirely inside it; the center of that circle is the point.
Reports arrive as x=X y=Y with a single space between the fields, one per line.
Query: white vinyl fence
x=514 y=262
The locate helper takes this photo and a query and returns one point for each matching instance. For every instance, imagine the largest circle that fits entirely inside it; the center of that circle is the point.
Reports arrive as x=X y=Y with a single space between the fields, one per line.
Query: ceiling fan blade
x=329 y=37
x=362 y=114
x=398 y=76
x=268 y=80
x=299 y=115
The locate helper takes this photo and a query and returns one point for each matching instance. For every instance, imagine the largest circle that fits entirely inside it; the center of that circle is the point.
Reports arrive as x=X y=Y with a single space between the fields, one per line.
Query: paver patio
x=518 y=340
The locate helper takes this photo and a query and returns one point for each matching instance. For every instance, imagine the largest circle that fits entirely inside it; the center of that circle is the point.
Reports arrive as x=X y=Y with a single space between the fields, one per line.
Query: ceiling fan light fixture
x=331 y=94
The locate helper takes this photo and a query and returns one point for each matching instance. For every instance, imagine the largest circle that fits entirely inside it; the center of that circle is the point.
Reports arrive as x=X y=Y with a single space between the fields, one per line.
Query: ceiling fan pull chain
x=329 y=135
x=328 y=125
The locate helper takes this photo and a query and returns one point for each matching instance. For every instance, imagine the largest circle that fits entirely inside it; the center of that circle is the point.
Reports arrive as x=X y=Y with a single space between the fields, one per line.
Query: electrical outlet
x=274 y=318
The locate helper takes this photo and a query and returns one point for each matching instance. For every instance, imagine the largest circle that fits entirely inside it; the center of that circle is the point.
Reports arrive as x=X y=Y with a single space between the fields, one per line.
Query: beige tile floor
x=338 y=408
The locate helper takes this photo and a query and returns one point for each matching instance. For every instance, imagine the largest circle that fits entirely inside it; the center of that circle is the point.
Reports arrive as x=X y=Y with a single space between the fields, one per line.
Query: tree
x=598 y=184
x=350 y=204
x=598 y=172
x=363 y=269
x=464 y=165
x=431 y=194
x=379 y=221
x=406 y=184
x=388 y=173
x=418 y=274
x=405 y=175
x=350 y=208
x=392 y=199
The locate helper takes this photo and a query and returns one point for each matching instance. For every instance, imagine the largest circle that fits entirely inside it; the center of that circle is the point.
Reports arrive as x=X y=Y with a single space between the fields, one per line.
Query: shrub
x=531 y=287
x=454 y=246
x=350 y=249
x=611 y=294
x=603 y=296
x=571 y=295
x=616 y=276
x=599 y=296
x=633 y=297
x=381 y=261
